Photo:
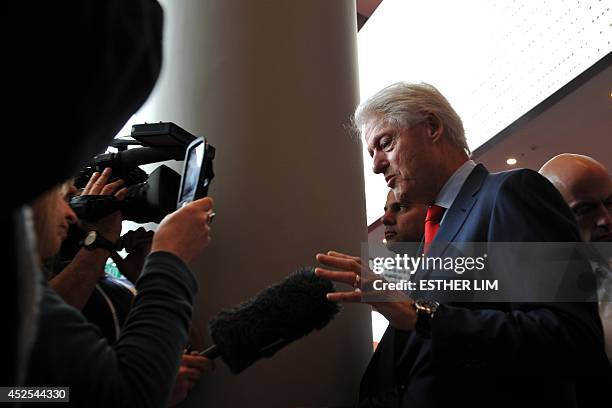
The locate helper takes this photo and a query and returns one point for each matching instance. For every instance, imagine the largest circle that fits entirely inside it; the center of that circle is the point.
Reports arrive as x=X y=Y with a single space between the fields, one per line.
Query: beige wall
x=271 y=84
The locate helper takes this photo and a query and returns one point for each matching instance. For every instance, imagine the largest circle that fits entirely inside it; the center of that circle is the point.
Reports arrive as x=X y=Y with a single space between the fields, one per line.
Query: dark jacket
x=498 y=354
x=79 y=70
x=140 y=369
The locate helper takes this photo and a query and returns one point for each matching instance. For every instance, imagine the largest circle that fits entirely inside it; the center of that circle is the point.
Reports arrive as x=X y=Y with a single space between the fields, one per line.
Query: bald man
x=586 y=186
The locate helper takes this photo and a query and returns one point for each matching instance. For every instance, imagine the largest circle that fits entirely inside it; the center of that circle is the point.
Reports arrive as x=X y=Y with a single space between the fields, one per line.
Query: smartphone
x=197 y=172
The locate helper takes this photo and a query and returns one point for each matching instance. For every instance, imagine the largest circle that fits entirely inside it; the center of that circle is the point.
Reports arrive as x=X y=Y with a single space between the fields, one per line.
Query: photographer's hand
x=185 y=232
x=137 y=244
x=110 y=226
x=191 y=369
x=97 y=185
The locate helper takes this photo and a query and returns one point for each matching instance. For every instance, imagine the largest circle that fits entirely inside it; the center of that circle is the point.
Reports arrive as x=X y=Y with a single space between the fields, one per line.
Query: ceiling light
x=511 y=161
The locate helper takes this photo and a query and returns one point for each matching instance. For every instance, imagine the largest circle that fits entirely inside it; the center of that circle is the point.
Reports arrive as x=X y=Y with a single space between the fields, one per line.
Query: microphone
x=145 y=155
x=272 y=319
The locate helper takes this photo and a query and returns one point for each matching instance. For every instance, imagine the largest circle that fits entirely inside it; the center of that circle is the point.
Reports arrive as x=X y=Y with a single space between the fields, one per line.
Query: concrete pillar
x=272 y=83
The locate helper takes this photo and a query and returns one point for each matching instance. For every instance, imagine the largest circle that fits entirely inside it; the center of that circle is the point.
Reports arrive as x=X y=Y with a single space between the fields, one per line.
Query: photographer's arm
x=77 y=281
x=141 y=368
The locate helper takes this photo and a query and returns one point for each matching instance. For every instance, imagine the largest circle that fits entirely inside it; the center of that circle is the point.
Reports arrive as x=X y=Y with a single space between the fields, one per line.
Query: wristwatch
x=93 y=239
x=425 y=311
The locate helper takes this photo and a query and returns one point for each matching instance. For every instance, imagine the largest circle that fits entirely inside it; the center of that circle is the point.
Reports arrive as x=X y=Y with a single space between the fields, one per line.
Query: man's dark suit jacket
x=502 y=354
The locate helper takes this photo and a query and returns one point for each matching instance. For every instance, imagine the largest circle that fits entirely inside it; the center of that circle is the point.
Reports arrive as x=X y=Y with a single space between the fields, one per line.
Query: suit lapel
x=459 y=210
x=454 y=220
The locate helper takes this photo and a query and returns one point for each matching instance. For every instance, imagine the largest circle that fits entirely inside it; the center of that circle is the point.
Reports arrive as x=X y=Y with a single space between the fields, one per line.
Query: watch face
x=90 y=238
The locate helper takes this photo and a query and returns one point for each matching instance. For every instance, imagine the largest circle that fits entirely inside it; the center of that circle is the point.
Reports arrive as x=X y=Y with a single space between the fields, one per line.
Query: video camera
x=150 y=197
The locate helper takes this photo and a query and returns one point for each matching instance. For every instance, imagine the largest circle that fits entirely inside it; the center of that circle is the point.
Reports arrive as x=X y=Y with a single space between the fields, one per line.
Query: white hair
x=405 y=104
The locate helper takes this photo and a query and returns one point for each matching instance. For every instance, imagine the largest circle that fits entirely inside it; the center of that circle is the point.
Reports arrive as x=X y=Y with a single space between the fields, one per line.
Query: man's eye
x=582 y=210
x=393 y=207
x=385 y=143
x=408 y=206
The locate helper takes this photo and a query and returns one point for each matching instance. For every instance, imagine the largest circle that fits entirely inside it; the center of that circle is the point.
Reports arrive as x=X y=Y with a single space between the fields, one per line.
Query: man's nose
x=388 y=218
x=70 y=215
x=380 y=162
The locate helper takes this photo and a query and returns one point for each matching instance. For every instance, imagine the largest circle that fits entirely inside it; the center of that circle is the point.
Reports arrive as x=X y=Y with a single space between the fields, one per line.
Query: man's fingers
x=336 y=276
x=122 y=193
x=203 y=204
x=94 y=177
x=100 y=182
x=208 y=364
x=341 y=255
x=204 y=207
x=143 y=235
x=196 y=361
x=188 y=373
x=138 y=243
x=137 y=237
x=110 y=188
x=346 y=297
x=340 y=263
x=96 y=182
x=192 y=374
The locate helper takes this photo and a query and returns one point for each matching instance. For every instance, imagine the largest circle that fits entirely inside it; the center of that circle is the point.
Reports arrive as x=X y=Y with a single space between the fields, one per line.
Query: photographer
x=78 y=279
x=141 y=368
x=84 y=284
x=81 y=87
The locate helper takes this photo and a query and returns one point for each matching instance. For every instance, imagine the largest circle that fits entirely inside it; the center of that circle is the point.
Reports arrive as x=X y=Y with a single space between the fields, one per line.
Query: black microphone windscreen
x=273 y=318
x=145 y=155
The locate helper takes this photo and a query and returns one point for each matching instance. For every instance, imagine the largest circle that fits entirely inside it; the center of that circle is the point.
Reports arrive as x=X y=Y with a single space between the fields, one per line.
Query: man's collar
x=451 y=188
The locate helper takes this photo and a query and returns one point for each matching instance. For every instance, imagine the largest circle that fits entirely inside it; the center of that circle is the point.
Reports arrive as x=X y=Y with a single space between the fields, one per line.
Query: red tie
x=432 y=224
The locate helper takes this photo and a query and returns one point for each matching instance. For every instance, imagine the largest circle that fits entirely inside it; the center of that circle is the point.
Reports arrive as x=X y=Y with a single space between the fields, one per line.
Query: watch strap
x=425 y=311
x=98 y=242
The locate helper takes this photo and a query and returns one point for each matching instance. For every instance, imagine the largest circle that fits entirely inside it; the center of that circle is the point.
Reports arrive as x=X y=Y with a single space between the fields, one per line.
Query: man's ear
x=435 y=127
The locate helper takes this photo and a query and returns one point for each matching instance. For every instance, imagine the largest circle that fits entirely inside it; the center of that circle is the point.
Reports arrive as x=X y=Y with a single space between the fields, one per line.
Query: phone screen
x=191 y=173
